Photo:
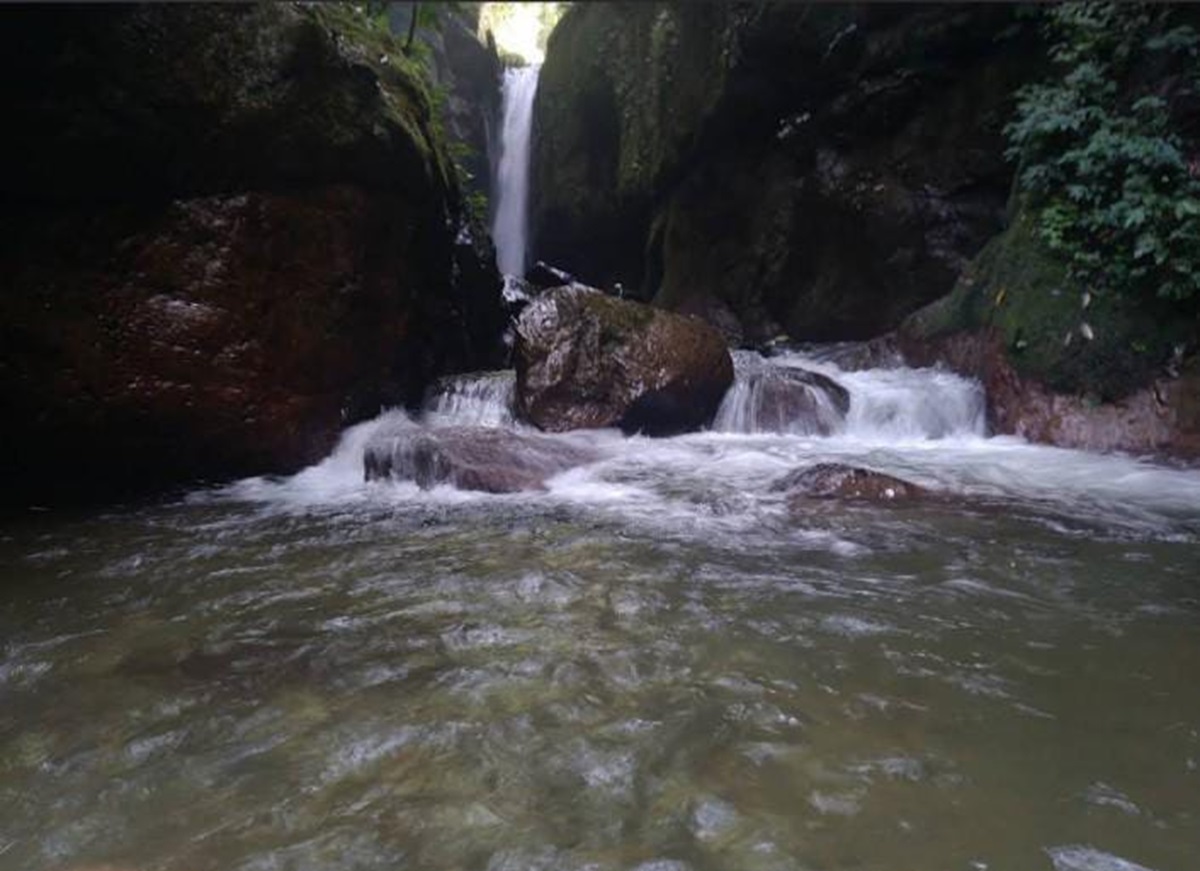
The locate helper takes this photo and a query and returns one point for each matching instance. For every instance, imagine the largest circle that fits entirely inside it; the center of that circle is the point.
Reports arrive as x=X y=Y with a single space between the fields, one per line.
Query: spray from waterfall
x=510 y=228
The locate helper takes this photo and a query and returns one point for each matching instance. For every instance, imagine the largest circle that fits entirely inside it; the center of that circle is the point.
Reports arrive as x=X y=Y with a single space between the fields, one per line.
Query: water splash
x=799 y=394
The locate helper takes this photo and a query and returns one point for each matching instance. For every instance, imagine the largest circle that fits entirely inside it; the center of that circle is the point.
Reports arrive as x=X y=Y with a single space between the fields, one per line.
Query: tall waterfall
x=510 y=228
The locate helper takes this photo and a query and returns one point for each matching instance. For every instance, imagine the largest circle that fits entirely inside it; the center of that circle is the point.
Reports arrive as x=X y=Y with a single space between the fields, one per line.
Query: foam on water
x=1080 y=858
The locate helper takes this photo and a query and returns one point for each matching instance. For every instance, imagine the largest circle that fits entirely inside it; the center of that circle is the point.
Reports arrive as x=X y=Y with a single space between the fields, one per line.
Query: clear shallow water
x=651 y=665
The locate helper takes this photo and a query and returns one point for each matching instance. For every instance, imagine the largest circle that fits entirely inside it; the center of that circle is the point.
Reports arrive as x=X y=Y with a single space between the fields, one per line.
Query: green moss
x=622 y=316
x=408 y=95
x=1068 y=337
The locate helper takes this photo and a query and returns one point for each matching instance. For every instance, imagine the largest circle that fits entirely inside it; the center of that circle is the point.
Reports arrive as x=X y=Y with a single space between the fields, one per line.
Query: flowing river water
x=651 y=665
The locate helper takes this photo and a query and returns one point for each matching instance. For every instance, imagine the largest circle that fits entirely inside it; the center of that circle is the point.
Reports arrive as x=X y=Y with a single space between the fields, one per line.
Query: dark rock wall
x=226 y=231
x=466 y=72
x=1063 y=361
x=818 y=169
x=619 y=100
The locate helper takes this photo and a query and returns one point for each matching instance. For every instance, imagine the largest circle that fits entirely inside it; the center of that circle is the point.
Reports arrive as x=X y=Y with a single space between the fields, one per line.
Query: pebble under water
x=652 y=665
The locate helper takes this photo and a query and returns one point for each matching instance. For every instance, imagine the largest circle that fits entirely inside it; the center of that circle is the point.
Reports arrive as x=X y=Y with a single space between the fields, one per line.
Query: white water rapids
x=926 y=426
x=511 y=222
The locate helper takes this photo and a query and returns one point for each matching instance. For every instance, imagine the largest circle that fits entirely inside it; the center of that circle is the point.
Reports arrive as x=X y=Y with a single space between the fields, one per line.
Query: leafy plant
x=1098 y=152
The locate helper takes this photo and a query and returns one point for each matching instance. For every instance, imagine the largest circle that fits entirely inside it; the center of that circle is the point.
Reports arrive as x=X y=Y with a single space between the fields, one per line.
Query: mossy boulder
x=1061 y=363
x=1070 y=338
x=228 y=231
x=586 y=360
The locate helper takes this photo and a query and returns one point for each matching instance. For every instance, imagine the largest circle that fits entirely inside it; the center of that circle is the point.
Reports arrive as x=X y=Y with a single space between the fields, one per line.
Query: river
x=652 y=665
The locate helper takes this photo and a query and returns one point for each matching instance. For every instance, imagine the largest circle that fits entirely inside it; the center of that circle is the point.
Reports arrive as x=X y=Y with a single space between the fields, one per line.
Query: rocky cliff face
x=620 y=98
x=820 y=169
x=227 y=232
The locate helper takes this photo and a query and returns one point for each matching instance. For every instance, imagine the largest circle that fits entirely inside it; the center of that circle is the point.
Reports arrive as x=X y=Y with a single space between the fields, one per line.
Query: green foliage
x=1101 y=156
x=477 y=205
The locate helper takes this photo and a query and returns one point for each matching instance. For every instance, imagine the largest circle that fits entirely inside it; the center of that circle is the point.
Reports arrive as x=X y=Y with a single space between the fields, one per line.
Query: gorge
x=743 y=507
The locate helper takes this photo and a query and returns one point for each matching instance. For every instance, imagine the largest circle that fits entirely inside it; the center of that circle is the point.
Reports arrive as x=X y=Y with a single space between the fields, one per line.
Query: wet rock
x=470 y=458
x=466 y=70
x=846 y=483
x=587 y=360
x=1013 y=321
x=879 y=353
x=543 y=276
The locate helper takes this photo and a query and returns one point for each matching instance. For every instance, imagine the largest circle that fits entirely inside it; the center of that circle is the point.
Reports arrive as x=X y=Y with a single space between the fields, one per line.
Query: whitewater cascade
x=510 y=227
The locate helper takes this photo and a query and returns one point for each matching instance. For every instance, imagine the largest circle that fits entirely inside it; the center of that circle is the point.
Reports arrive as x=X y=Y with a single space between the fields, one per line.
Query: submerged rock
x=470 y=458
x=847 y=483
x=587 y=360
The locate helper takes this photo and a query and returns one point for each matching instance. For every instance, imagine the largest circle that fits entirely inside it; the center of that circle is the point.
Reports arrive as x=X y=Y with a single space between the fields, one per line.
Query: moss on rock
x=1066 y=337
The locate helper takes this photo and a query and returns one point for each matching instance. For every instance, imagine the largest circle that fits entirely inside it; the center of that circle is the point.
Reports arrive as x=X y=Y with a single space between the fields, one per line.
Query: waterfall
x=510 y=228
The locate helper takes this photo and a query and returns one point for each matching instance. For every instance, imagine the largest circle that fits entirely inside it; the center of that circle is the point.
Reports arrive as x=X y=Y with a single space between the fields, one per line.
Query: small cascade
x=794 y=394
x=780 y=399
x=510 y=227
x=907 y=404
x=474 y=399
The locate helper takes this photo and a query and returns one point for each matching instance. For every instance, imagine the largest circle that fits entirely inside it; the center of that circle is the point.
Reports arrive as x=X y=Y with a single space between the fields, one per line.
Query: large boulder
x=470 y=458
x=227 y=232
x=587 y=360
x=823 y=169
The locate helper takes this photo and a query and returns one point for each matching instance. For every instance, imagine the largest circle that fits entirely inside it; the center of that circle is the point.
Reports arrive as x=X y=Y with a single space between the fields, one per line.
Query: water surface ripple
x=651 y=666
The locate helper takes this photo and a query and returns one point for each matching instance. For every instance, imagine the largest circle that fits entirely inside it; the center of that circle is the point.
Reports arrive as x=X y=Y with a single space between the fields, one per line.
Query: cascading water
x=801 y=395
x=474 y=399
x=510 y=228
